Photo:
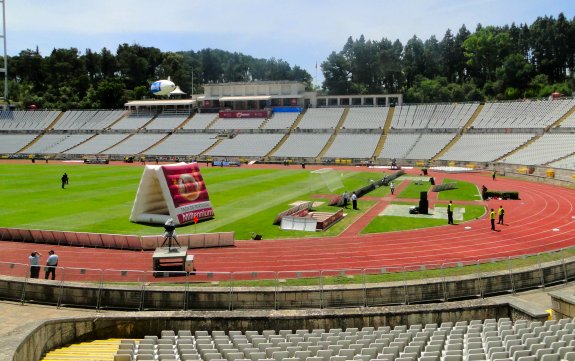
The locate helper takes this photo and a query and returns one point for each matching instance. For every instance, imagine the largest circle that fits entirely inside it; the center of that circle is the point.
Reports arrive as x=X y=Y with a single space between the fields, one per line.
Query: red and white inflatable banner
x=174 y=191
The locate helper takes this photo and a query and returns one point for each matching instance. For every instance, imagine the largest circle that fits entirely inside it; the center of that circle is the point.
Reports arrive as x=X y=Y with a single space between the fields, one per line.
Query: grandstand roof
x=159 y=103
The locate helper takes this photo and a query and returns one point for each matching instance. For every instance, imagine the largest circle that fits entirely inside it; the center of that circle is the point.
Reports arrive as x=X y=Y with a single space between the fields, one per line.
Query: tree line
x=494 y=62
x=67 y=79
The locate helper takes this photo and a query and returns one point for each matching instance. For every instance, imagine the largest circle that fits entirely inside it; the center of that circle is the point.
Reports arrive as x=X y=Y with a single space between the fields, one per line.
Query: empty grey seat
x=325 y=354
x=499 y=355
x=429 y=358
x=270 y=351
x=278 y=355
x=292 y=349
x=337 y=358
x=347 y=352
x=521 y=353
x=475 y=350
x=335 y=348
x=527 y=358
x=144 y=357
x=302 y=355
x=453 y=358
x=405 y=359
x=313 y=358
x=563 y=350
x=362 y=358
x=255 y=356
x=189 y=357
x=313 y=349
x=120 y=357
x=550 y=357
x=570 y=356
x=476 y=357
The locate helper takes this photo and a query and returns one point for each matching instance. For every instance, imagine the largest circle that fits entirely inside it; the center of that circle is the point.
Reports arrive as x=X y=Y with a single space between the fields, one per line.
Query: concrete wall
x=142 y=296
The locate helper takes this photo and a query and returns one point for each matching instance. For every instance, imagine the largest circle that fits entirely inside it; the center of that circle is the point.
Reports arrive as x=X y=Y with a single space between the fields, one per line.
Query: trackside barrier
x=203 y=290
x=117 y=241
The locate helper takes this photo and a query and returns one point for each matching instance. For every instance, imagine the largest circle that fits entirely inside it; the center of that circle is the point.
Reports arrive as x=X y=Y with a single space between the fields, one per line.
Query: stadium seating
x=97 y=144
x=87 y=119
x=11 y=143
x=321 y=118
x=366 y=118
x=166 y=122
x=473 y=340
x=421 y=116
x=303 y=145
x=19 y=120
x=56 y=143
x=250 y=145
x=522 y=114
x=200 y=121
x=417 y=132
x=548 y=148
x=183 y=144
x=135 y=144
x=565 y=163
x=281 y=121
x=237 y=123
x=353 y=146
x=132 y=122
x=485 y=147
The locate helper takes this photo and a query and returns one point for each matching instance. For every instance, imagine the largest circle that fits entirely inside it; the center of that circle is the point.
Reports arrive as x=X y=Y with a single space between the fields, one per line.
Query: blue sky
x=301 y=32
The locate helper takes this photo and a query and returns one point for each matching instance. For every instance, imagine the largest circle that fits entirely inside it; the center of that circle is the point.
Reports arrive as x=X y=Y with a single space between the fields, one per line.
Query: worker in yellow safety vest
x=450 y=208
x=492 y=219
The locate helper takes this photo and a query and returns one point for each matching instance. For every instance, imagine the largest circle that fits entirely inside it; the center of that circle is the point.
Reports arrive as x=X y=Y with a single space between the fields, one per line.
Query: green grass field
x=99 y=198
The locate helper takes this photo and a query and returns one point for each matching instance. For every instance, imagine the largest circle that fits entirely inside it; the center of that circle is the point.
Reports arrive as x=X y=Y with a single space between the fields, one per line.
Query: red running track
x=529 y=229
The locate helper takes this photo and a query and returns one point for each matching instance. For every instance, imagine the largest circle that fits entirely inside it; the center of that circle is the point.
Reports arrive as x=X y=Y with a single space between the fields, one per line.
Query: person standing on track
x=34 y=260
x=493 y=174
x=492 y=219
x=391 y=187
x=501 y=213
x=51 y=264
x=450 y=208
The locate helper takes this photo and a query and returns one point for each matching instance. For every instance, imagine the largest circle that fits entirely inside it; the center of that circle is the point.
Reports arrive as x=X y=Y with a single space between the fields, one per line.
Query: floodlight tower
x=4 y=69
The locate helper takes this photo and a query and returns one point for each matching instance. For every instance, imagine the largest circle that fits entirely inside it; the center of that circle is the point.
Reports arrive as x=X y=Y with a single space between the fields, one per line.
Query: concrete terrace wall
x=142 y=296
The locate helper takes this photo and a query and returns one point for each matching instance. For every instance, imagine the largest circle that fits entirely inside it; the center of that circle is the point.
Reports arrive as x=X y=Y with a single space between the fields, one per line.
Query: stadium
x=438 y=139
x=262 y=220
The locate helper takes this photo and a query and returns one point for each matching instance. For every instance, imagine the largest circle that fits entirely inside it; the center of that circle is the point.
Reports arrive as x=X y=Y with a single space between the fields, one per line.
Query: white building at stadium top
x=260 y=95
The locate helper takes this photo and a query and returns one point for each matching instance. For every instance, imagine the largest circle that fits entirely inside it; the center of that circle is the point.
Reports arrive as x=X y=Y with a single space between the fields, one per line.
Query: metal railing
x=361 y=287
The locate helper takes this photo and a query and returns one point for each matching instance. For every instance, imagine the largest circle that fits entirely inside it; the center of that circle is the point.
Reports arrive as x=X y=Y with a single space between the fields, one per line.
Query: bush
x=501 y=194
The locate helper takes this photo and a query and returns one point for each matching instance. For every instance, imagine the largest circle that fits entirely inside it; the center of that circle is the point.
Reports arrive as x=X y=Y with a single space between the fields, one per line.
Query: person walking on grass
x=391 y=187
x=64 y=180
x=354 y=200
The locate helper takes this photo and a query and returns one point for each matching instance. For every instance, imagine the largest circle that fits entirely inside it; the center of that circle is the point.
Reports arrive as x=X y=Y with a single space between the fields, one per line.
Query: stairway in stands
x=458 y=136
x=286 y=135
x=384 y=133
x=334 y=134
